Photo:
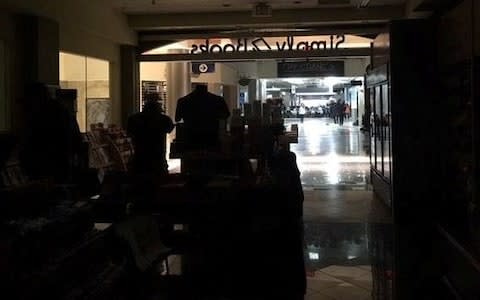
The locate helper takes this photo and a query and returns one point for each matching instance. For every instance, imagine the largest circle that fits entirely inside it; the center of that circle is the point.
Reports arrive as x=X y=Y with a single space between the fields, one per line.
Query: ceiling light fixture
x=262 y=9
x=363 y=3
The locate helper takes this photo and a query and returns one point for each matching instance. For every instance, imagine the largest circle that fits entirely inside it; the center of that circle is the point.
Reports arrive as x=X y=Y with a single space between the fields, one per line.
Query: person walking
x=301 y=112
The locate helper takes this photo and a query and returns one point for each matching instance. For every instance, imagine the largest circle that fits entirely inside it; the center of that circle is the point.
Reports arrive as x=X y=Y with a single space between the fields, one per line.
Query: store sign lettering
x=260 y=44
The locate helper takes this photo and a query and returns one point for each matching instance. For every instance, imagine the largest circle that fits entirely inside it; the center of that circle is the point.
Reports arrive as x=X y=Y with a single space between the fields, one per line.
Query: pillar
x=216 y=88
x=262 y=90
x=37 y=47
x=4 y=105
x=35 y=58
x=130 y=74
x=361 y=105
x=178 y=85
x=252 y=90
x=230 y=93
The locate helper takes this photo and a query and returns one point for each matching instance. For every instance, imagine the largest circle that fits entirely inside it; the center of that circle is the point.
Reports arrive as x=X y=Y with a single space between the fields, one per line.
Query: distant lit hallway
x=331 y=155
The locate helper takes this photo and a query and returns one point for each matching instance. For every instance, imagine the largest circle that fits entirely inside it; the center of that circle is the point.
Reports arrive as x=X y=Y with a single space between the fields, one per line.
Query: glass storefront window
x=98 y=106
x=386 y=124
x=73 y=75
x=378 y=128
x=91 y=78
x=246 y=44
x=4 y=120
x=372 y=129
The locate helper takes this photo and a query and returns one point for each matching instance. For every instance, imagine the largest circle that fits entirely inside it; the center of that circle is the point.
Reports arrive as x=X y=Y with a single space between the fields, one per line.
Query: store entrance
x=321 y=102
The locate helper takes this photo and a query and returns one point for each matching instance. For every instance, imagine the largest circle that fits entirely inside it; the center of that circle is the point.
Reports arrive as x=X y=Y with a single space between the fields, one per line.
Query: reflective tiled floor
x=348 y=233
x=329 y=154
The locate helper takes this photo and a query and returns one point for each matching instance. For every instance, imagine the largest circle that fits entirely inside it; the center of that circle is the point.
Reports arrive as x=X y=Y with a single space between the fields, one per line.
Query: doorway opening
x=340 y=214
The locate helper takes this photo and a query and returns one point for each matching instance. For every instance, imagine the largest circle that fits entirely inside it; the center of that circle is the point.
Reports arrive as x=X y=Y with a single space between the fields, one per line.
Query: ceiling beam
x=151 y=36
x=287 y=17
x=423 y=8
x=252 y=55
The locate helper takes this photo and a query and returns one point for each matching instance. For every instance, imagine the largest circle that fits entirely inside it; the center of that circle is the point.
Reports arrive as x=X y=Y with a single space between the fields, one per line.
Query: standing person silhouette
x=201 y=112
x=52 y=138
x=148 y=130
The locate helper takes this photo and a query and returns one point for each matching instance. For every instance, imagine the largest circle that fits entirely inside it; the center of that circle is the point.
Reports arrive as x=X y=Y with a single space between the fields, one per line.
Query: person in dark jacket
x=148 y=130
x=201 y=112
x=52 y=138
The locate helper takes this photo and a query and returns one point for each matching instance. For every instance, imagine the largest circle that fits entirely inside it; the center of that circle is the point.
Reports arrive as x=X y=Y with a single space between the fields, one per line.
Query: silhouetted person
x=285 y=173
x=201 y=112
x=52 y=138
x=7 y=142
x=148 y=130
x=289 y=195
x=340 y=111
x=301 y=112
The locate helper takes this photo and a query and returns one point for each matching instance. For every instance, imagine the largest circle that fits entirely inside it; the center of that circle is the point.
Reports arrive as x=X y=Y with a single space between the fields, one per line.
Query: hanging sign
x=310 y=69
x=289 y=43
x=201 y=67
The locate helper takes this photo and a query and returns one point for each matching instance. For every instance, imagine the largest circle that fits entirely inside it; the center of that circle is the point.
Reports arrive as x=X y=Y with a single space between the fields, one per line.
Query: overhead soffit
x=364 y=30
x=192 y=6
x=181 y=19
x=436 y=5
x=300 y=18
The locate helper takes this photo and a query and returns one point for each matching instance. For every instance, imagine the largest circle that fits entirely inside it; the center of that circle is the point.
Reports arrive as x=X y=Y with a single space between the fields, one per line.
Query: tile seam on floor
x=341 y=279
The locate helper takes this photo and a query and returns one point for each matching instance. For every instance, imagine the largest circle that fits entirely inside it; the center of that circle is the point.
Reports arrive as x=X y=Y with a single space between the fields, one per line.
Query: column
x=178 y=85
x=252 y=90
x=37 y=47
x=216 y=88
x=361 y=105
x=35 y=57
x=129 y=82
x=262 y=90
x=230 y=93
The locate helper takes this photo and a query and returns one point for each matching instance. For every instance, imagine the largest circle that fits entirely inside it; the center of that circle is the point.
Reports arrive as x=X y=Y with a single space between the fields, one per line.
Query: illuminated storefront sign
x=310 y=69
x=289 y=43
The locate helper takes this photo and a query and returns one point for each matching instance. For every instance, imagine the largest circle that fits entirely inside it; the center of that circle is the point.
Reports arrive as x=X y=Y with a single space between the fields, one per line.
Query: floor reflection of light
x=324 y=163
x=173 y=165
x=328 y=153
x=332 y=168
x=313 y=133
x=339 y=158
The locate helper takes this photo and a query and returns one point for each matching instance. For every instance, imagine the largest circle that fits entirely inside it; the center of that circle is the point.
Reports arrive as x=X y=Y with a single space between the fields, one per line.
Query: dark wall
x=32 y=54
x=408 y=54
x=7 y=30
x=458 y=213
x=415 y=163
x=37 y=49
